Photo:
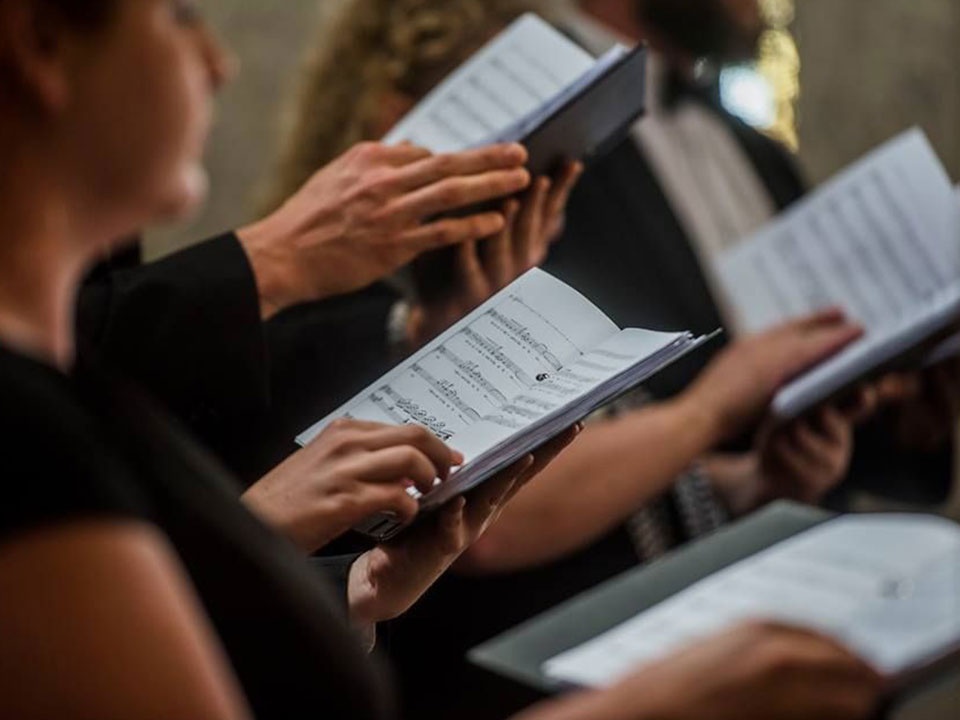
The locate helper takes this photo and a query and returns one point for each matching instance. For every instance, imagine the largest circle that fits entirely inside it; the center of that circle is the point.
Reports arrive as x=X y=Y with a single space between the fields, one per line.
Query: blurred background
x=834 y=79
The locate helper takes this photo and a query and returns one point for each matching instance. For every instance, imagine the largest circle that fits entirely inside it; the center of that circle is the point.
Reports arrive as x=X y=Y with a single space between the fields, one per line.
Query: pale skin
x=133 y=628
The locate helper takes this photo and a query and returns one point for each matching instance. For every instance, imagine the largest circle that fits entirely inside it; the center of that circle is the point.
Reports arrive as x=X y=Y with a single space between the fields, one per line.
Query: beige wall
x=872 y=68
x=268 y=39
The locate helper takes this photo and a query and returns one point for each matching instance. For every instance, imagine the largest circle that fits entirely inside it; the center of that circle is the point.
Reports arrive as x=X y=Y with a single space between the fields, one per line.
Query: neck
x=41 y=265
x=622 y=17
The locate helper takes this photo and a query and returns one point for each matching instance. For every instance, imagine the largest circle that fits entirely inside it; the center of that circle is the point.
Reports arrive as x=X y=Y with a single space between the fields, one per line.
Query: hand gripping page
x=516 y=372
x=532 y=85
x=882 y=241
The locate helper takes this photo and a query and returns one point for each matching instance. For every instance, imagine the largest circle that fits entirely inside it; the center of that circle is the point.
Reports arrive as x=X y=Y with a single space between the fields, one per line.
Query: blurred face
x=723 y=30
x=138 y=109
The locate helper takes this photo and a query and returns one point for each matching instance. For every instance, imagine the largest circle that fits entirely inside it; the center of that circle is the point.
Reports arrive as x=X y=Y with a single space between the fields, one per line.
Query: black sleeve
x=187 y=328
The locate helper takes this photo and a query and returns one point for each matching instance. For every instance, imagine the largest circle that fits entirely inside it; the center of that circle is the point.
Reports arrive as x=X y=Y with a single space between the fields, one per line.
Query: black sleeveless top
x=84 y=447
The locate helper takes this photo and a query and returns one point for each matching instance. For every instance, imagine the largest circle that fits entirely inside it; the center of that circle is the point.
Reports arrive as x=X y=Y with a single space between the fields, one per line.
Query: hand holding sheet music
x=888 y=587
x=882 y=241
x=533 y=85
x=524 y=366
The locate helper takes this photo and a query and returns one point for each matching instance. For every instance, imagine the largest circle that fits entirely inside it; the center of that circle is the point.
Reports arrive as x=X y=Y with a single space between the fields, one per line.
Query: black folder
x=589 y=122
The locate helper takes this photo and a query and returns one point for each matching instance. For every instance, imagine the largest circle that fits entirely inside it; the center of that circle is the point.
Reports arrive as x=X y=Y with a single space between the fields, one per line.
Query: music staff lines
x=472 y=372
x=446 y=390
x=496 y=352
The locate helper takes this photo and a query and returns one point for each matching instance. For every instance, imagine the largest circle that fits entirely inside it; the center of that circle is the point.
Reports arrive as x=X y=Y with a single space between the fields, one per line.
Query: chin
x=186 y=197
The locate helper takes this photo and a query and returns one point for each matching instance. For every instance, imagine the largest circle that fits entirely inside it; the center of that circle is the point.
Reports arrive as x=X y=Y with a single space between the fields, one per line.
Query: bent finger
x=451 y=231
x=528 y=238
x=441 y=455
x=395 y=465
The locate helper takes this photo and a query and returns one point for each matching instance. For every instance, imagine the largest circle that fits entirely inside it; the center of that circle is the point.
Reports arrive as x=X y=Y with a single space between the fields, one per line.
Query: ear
x=34 y=42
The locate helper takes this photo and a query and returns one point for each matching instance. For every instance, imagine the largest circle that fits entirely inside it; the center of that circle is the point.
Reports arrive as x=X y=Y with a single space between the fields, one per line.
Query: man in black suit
x=691 y=179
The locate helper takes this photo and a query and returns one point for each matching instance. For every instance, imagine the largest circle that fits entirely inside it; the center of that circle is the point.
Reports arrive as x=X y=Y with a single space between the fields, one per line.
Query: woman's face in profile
x=141 y=101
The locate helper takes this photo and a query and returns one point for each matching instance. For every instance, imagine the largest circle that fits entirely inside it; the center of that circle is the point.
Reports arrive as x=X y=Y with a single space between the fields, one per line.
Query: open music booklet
x=888 y=587
x=531 y=84
x=882 y=240
x=520 y=369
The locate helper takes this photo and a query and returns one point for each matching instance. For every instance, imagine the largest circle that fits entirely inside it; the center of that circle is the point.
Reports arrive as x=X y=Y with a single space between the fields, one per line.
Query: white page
x=882 y=240
x=887 y=586
x=533 y=328
x=521 y=69
x=568 y=385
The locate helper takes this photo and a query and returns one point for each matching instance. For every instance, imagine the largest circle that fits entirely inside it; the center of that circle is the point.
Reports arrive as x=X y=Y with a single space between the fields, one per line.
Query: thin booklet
x=888 y=587
x=531 y=84
x=520 y=369
x=882 y=241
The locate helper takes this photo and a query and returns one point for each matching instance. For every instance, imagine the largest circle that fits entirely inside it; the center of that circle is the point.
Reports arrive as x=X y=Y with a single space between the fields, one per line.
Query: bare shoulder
x=100 y=620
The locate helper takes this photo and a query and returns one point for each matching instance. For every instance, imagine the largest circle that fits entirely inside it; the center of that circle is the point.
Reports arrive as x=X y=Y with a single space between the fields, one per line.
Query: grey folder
x=520 y=653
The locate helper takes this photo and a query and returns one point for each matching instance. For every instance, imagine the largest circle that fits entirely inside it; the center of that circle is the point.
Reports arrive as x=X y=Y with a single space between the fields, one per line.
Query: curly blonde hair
x=371 y=48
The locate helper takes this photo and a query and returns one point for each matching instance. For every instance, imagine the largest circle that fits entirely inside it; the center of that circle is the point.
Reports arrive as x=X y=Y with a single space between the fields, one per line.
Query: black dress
x=81 y=446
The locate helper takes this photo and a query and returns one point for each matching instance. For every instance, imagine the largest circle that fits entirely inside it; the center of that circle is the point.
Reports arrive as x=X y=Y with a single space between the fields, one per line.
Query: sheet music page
x=525 y=335
x=882 y=240
x=524 y=67
x=886 y=586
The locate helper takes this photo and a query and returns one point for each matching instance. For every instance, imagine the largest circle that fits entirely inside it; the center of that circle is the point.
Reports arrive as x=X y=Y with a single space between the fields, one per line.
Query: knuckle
x=341 y=425
x=449 y=194
x=446 y=164
x=416 y=434
x=445 y=234
x=367 y=150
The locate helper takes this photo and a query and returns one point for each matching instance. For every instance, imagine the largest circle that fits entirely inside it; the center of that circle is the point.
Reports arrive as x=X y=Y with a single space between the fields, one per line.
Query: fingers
x=432 y=169
x=392 y=464
x=498 y=251
x=451 y=537
x=864 y=403
x=811 y=340
x=402 y=154
x=456 y=193
x=473 y=279
x=529 y=241
x=549 y=452
x=440 y=455
x=451 y=231
x=559 y=197
x=386 y=499
x=489 y=498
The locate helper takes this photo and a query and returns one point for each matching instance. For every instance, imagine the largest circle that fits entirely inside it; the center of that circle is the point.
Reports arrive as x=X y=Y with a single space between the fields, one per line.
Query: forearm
x=618 y=703
x=610 y=471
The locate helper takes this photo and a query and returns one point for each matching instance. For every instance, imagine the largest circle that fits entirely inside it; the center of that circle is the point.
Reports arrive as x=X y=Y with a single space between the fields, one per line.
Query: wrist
x=702 y=421
x=267 y=251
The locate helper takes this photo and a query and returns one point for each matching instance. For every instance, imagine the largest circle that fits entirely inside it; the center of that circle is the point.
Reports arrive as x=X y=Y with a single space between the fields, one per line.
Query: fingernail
x=457 y=458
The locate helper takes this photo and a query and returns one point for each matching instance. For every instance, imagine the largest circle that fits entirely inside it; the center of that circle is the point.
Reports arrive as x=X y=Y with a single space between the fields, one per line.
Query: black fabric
x=106 y=452
x=188 y=329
